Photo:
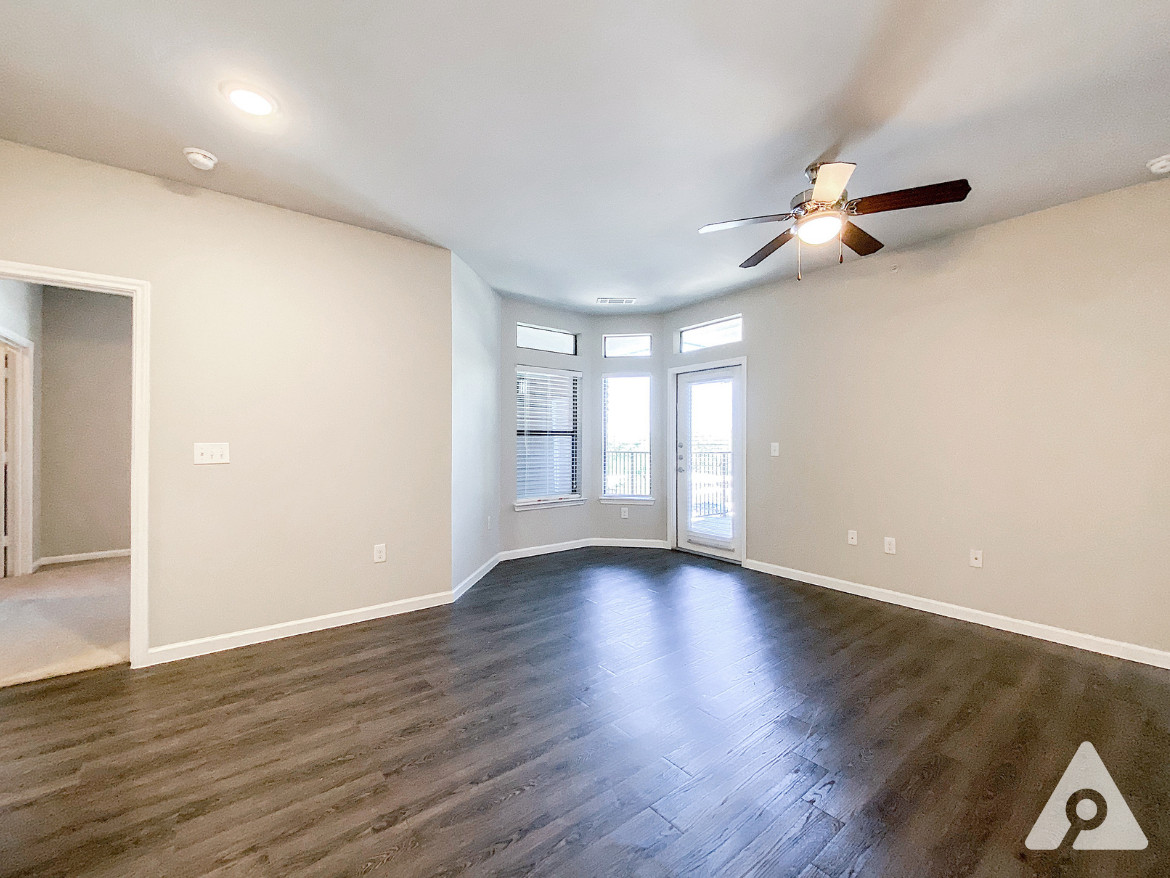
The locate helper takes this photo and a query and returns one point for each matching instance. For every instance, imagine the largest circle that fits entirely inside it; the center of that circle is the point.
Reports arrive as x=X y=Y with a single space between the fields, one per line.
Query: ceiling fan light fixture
x=820 y=228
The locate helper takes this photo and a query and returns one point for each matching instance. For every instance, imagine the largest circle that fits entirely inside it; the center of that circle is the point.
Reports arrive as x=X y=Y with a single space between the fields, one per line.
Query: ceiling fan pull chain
x=798 y=277
x=841 y=242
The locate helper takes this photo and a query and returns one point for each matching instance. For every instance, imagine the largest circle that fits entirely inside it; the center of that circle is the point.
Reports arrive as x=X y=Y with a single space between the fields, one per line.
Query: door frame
x=672 y=449
x=139 y=293
x=20 y=457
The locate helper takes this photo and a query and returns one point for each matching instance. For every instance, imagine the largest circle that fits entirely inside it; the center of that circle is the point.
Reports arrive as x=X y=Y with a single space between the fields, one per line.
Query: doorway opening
x=72 y=471
x=709 y=484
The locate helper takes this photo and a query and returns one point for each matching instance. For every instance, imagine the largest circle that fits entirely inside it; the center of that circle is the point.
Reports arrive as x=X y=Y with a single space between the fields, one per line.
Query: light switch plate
x=775 y=449
x=891 y=546
x=976 y=557
x=211 y=452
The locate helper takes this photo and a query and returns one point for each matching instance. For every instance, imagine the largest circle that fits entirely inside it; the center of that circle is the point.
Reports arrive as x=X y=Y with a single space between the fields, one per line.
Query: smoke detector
x=613 y=300
x=200 y=159
x=1160 y=165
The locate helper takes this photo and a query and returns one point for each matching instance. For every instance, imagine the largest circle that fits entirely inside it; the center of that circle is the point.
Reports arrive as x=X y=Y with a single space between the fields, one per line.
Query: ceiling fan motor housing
x=802 y=202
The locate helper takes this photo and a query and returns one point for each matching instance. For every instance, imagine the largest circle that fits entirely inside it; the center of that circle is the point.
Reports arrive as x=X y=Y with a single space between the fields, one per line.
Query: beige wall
x=84 y=489
x=321 y=352
x=475 y=422
x=1006 y=389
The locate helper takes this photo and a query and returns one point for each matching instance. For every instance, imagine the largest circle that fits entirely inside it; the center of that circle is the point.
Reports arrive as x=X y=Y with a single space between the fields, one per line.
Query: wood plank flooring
x=597 y=712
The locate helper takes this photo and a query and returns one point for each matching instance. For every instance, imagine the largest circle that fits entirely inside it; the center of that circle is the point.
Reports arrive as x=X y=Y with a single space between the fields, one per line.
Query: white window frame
x=729 y=317
x=578 y=498
x=644 y=356
x=575 y=336
x=627 y=499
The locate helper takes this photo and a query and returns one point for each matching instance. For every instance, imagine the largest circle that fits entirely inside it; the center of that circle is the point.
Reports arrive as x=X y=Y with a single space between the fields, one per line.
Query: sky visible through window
x=627 y=422
x=627 y=435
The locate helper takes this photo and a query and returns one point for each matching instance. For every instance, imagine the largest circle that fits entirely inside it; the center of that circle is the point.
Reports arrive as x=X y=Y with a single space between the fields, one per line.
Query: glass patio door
x=709 y=467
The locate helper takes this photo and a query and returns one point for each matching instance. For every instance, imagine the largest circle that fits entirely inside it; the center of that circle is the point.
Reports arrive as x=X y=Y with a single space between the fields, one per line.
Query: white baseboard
x=81 y=556
x=157 y=655
x=462 y=588
x=512 y=554
x=612 y=542
x=1119 y=649
x=629 y=544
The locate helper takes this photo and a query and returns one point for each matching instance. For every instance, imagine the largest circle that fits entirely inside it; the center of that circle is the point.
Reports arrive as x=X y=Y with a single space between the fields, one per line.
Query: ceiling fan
x=824 y=212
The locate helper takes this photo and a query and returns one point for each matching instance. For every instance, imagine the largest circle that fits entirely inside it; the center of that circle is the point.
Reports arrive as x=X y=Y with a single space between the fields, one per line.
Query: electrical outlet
x=211 y=452
x=379 y=553
x=625 y=512
x=775 y=449
x=891 y=546
x=976 y=557
x=852 y=537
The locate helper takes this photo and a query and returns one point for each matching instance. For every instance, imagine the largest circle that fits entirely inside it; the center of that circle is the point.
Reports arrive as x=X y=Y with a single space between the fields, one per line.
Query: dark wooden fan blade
x=860 y=241
x=767 y=250
x=749 y=221
x=919 y=196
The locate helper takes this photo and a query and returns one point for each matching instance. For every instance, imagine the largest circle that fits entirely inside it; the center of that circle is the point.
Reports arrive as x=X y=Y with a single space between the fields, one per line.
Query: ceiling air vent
x=607 y=300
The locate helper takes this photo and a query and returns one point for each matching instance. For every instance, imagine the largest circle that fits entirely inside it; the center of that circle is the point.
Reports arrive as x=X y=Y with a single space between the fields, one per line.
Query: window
x=625 y=345
x=716 y=332
x=538 y=338
x=625 y=459
x=548 y=436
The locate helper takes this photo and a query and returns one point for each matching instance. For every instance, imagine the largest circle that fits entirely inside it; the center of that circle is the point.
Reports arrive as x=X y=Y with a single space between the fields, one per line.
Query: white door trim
x=672 y=445
x=20 y=456
x=139 y=293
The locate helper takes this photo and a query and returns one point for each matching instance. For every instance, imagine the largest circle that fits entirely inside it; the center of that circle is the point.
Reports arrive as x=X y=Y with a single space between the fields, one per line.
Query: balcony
x=711 y=506
x=627 y=474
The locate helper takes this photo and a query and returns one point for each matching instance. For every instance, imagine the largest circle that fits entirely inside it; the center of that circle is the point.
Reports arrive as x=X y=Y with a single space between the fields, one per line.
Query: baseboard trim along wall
x=512 y=554
x=157 y=655
x=461 y=589
x=81 y=556
x=1119 y=649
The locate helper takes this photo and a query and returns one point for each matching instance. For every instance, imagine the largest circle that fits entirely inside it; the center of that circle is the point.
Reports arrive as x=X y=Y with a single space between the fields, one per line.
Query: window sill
x=627 y=501
x=546 y=504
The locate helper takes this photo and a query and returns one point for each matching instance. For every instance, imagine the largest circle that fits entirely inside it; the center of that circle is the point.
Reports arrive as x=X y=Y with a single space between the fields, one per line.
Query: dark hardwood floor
x=597 y=712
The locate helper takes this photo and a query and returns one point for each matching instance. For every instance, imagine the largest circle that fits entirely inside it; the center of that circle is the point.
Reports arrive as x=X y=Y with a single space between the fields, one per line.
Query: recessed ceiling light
x=200 y=159
x=1160 y=165
x=819 y=228
x=250 y=101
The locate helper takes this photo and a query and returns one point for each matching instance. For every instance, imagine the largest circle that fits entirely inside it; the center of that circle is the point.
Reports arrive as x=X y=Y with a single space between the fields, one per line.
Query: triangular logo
x=1086 y=811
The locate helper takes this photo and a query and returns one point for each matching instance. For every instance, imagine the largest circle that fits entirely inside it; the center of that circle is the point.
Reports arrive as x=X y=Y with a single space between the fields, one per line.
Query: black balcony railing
x=710 y=483
x=627 y=473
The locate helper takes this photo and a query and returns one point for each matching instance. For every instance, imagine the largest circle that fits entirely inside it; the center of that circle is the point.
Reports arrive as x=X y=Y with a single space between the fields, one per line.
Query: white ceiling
x=570 y=150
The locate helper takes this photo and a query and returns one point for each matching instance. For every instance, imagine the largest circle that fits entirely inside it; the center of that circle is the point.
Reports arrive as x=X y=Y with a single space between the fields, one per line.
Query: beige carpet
x=64 y=618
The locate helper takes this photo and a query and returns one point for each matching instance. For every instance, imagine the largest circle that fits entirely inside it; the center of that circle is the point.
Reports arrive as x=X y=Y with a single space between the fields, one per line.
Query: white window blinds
x=548 y=435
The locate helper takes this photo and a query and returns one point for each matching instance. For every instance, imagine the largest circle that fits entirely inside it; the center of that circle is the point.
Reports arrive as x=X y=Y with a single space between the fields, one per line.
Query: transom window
x=633 y=345
x=714 y=332
x=541 y=338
